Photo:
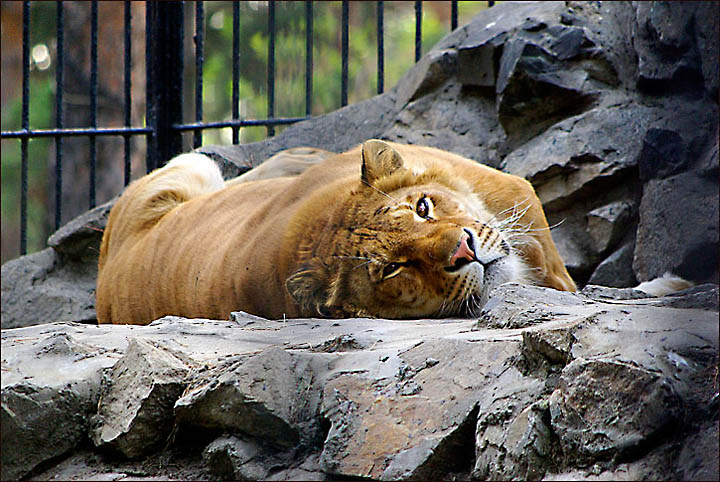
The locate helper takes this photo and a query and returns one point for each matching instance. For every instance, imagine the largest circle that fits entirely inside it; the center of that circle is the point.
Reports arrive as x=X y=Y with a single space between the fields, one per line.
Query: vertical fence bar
x=59 y=110
x=127 y=88
x=418 y=29
x=453 y=15
x=271 y=67
x=236 y=72
x=199 y=58
x=151 y=154
x=380 y=49
x=93 y=97
x=164 y=54
x=345 y=53
x=308 y=56
x=25 y=126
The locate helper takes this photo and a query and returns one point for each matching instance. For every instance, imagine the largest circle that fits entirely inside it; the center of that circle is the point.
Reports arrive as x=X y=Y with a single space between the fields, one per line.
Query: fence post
x=164 y=90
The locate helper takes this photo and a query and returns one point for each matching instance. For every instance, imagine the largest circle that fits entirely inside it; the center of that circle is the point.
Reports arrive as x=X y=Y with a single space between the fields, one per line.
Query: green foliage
x=290 y=47
x=38 y=189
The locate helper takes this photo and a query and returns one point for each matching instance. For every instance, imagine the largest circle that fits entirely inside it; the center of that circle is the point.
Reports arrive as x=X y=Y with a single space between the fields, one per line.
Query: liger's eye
x=423 y=207
x=391 y=269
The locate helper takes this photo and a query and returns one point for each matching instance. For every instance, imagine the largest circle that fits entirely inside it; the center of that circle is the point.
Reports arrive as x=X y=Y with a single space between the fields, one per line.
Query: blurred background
x=399 y=41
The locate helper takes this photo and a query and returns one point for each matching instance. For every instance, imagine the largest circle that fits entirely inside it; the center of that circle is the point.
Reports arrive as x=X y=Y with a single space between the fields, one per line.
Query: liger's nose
x=464 y=250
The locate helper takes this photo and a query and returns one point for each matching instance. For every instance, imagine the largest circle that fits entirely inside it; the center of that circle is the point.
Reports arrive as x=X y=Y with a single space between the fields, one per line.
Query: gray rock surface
x=135 y=409
x=567 y=381
x=675 y=216
x=81 y=237
x=269 y=396
x=607 y=224
x=238 y=459
x=616 y=270
x=57 y=283
x=668 y=56
x=46 y=403
x=603 y=409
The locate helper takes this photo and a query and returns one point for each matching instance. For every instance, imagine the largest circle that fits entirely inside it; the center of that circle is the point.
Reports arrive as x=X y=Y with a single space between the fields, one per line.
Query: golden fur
x=383 y=230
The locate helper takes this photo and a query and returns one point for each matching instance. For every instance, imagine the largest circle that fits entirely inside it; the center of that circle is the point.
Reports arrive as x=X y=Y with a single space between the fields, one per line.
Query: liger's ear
x=308 y=286
x=379 y=160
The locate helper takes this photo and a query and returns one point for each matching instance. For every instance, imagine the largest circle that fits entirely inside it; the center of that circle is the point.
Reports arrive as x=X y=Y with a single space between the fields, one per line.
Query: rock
x=534 y=92
x=607 y=224
x=702 y=297
x=416 y=423
x=438 y=119
x=52 y=377
x=41 y=287
x=515 y=305
x=656 y=465
x=668 y=57
x=50 y=386
x=387 y=399
x=482 y=42
x=27 y=414
x=578 y=150
x=580 y=340
x=594 y=146
x=559 y=93
x=308 y=469
x=81 y=237
x=512 y=439
x=270 y=396
x=697 y=459
x=135 y=413
x=707 y=29
x=478 y=62
x=708 y=163
x=571 y=239
x=578 y=157
x=238 y=459
x=57 y=283
x=603 y=409
x=609 y=25
x=606 y=293
x=551 y=346
x=663 y=154
x=678 y=215
x=427 y=74
x=175 y=463
x=616 y=270
x=660 y=341
x=504 y=21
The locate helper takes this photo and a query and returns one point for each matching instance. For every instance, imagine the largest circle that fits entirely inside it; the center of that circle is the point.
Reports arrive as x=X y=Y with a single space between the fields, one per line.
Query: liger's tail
x=148 y=199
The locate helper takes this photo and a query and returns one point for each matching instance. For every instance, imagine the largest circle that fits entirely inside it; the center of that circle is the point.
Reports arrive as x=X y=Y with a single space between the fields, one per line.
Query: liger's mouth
x=459 y=264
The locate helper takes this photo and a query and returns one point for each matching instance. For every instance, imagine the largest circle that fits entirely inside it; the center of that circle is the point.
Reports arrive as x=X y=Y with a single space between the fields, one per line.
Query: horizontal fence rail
x=164 y=68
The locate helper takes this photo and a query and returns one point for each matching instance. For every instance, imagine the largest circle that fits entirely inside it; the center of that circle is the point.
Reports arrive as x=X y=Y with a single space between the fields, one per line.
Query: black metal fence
x=164 y=53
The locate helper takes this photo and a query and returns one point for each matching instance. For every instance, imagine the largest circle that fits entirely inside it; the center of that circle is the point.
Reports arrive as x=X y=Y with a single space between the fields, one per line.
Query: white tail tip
x=664 y=285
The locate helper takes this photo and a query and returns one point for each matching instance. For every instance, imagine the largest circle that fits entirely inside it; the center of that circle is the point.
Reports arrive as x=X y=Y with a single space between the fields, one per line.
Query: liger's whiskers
x=383 y=193
x=363 y=258
x=514 y=207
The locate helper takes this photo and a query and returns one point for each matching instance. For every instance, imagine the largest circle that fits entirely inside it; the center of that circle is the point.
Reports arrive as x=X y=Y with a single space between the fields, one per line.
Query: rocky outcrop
x=57 y=283
x=544 y=383
x=610 y=110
